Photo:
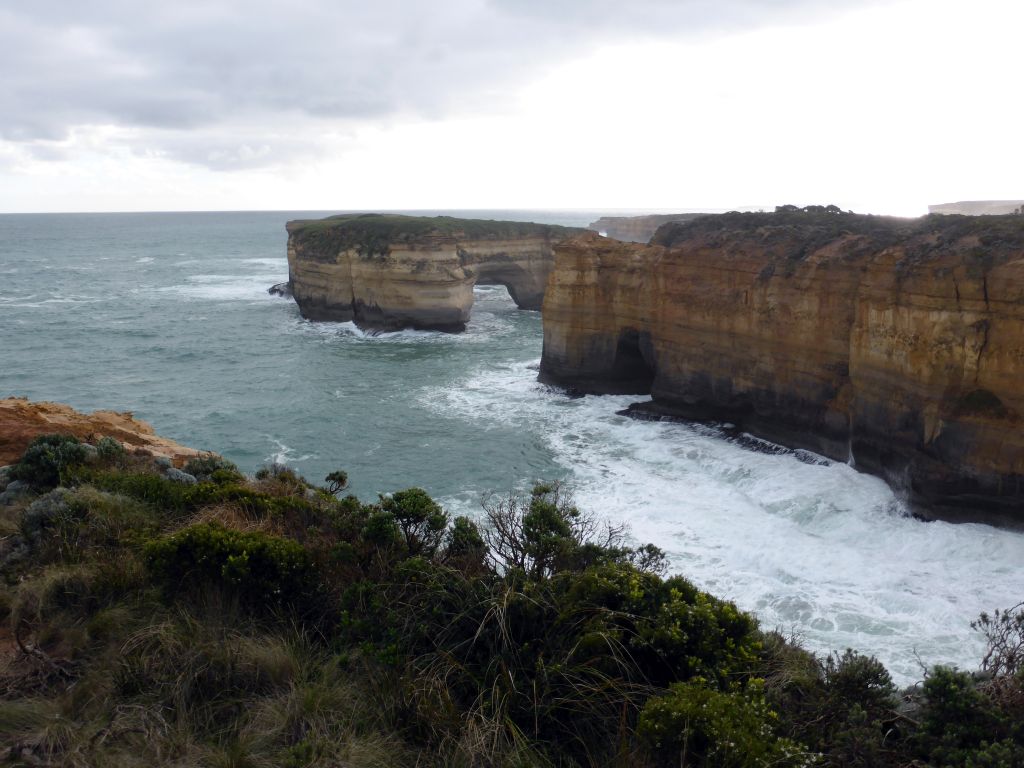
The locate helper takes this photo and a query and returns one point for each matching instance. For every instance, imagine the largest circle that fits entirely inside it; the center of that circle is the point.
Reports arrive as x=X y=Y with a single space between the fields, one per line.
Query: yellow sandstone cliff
x=22 y=421
x=388 y=271
x=895 y=344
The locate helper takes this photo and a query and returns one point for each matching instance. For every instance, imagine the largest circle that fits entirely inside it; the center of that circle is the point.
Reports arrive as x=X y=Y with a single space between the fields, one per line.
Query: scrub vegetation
x=372 y=234
x=222 y=620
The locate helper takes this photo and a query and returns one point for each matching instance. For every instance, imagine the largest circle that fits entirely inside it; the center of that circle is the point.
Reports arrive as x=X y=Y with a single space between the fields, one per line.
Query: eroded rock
x=895 y=344
x=387 y=272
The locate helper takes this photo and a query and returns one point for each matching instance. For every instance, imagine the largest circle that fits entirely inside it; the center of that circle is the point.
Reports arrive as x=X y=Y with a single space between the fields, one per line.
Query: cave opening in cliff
x=633 y=368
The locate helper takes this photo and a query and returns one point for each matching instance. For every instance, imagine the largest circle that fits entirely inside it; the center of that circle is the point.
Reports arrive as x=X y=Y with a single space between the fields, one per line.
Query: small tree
x=546 y=533
x=420 y=519
x=337 y=481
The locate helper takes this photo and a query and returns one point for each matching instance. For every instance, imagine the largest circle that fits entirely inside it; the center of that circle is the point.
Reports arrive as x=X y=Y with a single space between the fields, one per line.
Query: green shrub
x=47 y=458
x=957 y=719
x=263 y=571
x=466 y=548
x=854 y=679
x=420 y=519
x=673 y=631
x=696 y=725
x=110 y=450
x=213 y=468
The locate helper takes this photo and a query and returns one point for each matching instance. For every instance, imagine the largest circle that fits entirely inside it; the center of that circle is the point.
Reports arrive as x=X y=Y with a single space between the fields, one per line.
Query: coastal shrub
x=466 y=548
x=336 y=481
x=671 y=630
x=852 y=679
x=957 y=719
x=110 y=450
x=263 y=571
x=70 y=525
x=166 y=496
x=1004 y=636
x=694 y=724
x=213 y=468
x=420 y=519
x=47 y=458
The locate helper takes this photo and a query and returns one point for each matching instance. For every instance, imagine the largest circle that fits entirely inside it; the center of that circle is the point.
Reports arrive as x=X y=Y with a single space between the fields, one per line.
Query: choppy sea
x=167 y=315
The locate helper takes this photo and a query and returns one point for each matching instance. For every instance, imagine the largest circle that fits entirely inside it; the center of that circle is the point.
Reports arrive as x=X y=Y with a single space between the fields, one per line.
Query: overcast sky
x=876 y=105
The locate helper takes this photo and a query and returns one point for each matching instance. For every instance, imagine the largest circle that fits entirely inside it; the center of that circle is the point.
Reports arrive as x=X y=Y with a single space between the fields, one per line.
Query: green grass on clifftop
x=373 y=232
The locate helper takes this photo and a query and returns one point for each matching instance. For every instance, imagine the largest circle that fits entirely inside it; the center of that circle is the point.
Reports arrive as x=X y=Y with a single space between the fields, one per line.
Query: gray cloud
x=202 y=64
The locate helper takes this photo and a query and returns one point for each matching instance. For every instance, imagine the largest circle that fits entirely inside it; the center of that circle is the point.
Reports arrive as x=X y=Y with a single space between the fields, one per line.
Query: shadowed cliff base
x=894 y=344
x=388 y=271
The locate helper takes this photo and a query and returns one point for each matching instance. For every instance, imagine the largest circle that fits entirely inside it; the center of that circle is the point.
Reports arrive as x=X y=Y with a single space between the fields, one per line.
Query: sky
x=879 y=106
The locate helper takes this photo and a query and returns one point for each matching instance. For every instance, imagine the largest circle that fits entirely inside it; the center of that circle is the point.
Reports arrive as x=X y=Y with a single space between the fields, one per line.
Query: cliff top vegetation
x=201 y=617
x=373 y=232
x=815 y=226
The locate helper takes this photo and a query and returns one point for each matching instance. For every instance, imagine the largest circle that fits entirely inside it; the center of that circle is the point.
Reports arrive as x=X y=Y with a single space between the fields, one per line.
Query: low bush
x=213 y=468
x=694 y=724
x=263 y=571
x=47 y=458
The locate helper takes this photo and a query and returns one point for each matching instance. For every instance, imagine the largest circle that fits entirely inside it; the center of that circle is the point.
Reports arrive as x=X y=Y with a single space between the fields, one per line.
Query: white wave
x=219 y=287
x=285 y=454
x=26 y=302
x=144 y=260
x=279 y=261
x=817 y=549
x=482 y=328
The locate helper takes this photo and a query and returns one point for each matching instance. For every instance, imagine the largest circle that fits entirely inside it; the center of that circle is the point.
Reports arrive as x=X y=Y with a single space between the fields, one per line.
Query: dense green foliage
x=47 y=458
x=790 y=234
x=261 y=570
x=265 y=621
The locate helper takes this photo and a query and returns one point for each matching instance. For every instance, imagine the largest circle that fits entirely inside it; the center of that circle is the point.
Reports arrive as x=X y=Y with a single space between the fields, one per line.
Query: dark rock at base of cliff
x=281 y=289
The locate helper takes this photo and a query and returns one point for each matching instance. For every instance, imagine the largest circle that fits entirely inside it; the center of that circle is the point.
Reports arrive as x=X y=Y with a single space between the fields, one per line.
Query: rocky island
x=894 y=344
x=387 y=272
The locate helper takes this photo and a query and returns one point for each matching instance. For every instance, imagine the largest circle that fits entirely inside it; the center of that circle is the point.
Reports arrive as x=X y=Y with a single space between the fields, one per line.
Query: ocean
x=167 y=315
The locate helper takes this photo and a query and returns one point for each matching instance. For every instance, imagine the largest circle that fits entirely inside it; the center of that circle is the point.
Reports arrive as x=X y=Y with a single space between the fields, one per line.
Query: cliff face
x=979 y=207
x=21 y=421
x=637 y=229
x=898 y=345
x=388 y=272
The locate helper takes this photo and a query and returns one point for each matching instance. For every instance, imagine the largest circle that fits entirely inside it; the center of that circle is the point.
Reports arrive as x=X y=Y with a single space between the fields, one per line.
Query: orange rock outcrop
x=895 y=344
x=21 y=421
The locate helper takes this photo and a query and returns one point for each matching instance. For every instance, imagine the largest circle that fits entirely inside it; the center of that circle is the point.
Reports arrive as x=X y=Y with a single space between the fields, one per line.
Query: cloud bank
x=228 y=84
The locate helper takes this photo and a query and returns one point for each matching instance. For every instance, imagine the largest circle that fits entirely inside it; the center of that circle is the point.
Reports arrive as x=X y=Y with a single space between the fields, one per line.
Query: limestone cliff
x=21 y=421
x=637 y=229
x=979 y=207
x=896 y=344
x=389 y=271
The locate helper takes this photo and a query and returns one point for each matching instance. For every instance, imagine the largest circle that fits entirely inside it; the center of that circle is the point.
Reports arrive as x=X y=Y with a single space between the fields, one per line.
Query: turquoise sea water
x=168 y=316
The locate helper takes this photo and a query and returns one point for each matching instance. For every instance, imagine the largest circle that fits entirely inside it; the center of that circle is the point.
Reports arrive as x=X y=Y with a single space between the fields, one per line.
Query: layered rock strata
x=895 y=344
x=22 y=421
x=387 y=272
x=637 y=229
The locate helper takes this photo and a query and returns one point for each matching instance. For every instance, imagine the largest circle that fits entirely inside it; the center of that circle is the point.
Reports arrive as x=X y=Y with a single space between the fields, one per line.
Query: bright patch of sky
x=879 y=107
